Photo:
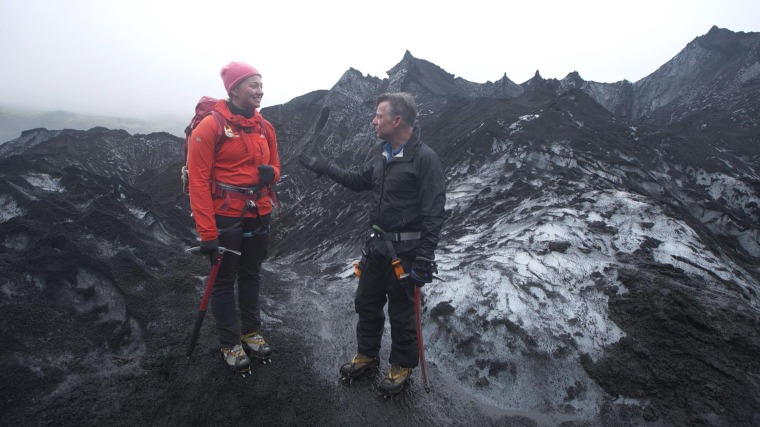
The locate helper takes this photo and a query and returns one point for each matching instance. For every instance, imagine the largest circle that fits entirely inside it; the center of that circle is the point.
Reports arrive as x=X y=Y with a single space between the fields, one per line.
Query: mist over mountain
x=15 y=120
x=600 y=260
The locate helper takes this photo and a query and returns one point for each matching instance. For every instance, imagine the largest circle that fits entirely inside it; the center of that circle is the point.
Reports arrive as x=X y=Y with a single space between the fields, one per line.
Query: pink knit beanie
x=234 y=72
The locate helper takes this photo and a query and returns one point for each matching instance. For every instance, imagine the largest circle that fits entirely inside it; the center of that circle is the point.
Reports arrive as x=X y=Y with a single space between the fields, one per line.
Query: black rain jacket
x=408 y=194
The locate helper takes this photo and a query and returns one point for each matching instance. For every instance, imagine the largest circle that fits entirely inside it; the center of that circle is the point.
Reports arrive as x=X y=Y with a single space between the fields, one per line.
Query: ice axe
x=206 y=294
x=420 y=344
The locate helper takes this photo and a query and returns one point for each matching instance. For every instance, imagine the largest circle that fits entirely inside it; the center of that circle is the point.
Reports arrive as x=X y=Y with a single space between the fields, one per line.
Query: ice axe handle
x=196 y=332
x=420 y=342
x=204 y=301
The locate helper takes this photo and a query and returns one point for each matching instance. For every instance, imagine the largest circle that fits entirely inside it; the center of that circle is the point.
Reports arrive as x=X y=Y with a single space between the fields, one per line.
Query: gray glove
x=315 y=162
x=211 y=248
x=422 y=271
x=266 y=174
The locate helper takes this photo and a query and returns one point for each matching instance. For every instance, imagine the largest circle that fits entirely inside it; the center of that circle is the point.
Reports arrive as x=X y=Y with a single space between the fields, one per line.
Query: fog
x=142 y=58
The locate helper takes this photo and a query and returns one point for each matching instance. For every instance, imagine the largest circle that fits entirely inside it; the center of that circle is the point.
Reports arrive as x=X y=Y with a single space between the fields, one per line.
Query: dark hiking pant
x=377 y=285
x=249 y=236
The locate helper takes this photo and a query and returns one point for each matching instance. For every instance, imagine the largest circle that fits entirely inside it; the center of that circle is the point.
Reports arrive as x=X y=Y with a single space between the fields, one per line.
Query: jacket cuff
x=333 y=171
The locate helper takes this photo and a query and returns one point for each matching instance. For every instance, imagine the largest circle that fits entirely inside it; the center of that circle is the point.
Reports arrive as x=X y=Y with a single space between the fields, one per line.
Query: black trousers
x=377 y=286
x=251 y=237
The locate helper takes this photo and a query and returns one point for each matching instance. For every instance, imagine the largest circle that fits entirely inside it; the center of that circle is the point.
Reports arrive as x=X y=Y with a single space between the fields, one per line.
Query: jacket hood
x=238 y=120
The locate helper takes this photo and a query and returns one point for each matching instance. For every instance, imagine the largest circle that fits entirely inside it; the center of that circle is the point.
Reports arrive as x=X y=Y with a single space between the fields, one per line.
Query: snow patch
x=44 y=182
x=518 y=125
x=137 y=212
x=9 y=209
x=500 y=146
x=750 y=73
x=735 y=193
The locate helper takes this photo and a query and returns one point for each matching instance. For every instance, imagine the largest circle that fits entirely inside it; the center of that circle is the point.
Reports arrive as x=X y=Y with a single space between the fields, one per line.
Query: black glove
x=211 y=248
x=315 y=162
x=422 y=271
x=266 y=174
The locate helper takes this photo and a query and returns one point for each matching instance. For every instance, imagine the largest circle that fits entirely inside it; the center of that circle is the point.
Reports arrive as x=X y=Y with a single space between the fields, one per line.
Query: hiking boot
x=236 y=359
x=358 y=365
x=256 y=345
x=394 y=382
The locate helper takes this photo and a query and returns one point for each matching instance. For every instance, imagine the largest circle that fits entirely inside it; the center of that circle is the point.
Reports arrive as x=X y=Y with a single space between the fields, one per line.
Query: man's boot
x=394 y=382
x=358 y=365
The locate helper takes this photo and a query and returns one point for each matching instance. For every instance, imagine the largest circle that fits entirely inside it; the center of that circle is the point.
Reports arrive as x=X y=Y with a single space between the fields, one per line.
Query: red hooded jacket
x=236 y=164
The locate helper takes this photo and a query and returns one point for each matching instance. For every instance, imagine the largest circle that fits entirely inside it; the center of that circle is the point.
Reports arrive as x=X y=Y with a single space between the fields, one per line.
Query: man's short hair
x=400 y=104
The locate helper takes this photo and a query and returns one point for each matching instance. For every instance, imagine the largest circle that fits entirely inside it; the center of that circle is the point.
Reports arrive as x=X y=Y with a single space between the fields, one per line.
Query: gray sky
x=137 y=58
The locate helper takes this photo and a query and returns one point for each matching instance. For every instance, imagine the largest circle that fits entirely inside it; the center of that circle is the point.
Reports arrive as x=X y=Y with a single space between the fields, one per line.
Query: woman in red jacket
x=231 y=201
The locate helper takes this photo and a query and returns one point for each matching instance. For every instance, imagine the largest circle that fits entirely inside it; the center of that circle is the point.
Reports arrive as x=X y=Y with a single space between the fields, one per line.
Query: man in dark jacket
x=407 y=213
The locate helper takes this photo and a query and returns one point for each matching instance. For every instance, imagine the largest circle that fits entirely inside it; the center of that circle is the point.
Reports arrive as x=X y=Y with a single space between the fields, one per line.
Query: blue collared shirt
x=390 y=152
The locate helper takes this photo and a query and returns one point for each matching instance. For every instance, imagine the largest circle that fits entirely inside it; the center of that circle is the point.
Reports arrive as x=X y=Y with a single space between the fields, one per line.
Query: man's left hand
x=422 y=271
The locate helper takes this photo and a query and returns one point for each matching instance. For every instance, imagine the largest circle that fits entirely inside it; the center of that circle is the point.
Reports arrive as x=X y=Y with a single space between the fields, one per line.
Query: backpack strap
x=264 y=130
x=221 y=138
x=221 y=122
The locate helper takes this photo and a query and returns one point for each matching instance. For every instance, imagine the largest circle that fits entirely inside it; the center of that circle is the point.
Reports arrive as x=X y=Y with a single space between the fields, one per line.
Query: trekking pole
x=420 y=344
x=206 y=295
